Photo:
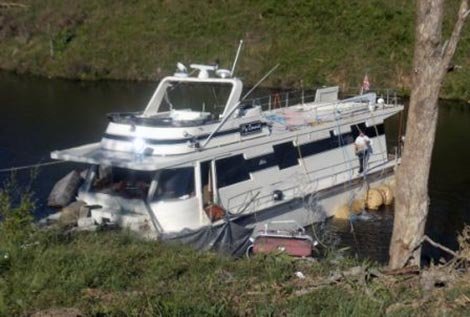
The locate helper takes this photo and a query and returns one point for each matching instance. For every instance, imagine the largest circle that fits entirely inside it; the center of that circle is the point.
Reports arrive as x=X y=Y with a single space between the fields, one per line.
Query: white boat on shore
x=201 y=155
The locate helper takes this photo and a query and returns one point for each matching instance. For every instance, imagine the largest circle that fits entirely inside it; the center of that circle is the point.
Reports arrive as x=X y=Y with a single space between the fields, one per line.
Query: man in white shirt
x=362 y=149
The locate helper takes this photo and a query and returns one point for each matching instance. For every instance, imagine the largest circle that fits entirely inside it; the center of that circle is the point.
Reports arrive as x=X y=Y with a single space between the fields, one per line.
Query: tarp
x=227 y=238
x=64 y=190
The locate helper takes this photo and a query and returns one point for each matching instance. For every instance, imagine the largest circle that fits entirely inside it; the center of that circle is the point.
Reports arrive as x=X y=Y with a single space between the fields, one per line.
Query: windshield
x=201 y=97
x=175 y=183
x=122 y=182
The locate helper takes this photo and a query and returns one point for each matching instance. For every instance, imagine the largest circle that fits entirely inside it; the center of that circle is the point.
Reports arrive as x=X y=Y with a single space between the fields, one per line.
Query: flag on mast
x=365 y=84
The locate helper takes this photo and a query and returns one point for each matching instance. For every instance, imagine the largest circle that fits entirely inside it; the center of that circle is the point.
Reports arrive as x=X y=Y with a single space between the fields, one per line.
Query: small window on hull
x=122 y=182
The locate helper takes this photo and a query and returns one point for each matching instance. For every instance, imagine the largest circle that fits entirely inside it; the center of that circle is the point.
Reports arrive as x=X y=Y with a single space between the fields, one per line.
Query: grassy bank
x=318 y=42
x=116 y=274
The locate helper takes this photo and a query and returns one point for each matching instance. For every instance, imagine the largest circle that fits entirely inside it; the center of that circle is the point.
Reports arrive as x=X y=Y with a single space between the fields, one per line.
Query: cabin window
x=259 y=163
x=177 y=183
x=316 y=147
x=371 y=131
x=231 y=170
x=286 y=155
x=122 y=182
x=358 y=128
x=337 y=140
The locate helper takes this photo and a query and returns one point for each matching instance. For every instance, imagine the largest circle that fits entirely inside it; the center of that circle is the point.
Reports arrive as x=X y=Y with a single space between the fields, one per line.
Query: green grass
x=319 y=42
x=114 y=273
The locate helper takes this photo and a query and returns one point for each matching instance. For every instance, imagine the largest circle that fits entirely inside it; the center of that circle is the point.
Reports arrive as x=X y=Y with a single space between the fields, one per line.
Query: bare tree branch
x=440 y=246
x=12 y=4
x=427 y=239
x=454 y=38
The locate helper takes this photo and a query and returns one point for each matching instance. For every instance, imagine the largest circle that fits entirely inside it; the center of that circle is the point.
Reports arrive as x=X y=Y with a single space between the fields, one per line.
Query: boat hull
x=318 y=206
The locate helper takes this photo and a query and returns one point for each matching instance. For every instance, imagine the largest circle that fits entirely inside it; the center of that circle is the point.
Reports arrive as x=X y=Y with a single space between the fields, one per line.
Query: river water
x=40 y=115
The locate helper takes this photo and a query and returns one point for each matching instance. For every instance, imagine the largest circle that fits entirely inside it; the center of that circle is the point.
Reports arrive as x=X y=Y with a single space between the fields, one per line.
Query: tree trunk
x=431 y=60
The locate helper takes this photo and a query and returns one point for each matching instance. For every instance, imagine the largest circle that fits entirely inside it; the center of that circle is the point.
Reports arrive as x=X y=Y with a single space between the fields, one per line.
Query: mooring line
x=24 y=167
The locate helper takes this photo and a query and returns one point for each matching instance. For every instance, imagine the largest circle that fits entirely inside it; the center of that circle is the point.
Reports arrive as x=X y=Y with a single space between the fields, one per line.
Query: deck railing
x=282 y=99
x=252 y=199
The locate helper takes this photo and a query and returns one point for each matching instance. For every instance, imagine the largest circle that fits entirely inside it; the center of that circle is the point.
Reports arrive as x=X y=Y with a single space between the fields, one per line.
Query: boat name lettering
x=251 y=127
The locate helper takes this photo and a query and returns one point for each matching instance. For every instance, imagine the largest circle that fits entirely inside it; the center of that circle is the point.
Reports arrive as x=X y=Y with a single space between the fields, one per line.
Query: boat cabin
x=199 y=153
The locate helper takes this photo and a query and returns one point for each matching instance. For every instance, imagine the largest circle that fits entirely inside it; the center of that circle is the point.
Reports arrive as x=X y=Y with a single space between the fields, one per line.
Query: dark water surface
x=39 y=115
x=449 y=191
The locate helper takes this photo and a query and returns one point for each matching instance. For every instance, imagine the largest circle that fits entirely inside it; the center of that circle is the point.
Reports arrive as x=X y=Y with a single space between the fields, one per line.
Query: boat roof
x=95 y=154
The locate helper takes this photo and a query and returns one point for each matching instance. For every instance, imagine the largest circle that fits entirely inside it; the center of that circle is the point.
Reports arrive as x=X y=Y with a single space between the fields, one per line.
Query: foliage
x=16 y=206
x=318 y=42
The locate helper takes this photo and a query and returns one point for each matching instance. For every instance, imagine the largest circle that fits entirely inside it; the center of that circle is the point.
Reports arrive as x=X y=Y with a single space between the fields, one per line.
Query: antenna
x=236 y=57
x=259 y=82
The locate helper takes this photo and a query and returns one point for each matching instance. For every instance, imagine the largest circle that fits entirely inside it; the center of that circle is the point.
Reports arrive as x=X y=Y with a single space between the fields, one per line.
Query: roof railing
x=282 y=99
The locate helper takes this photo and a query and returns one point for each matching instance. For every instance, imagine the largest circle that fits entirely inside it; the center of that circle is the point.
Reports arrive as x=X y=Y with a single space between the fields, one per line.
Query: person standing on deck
x=362 y=148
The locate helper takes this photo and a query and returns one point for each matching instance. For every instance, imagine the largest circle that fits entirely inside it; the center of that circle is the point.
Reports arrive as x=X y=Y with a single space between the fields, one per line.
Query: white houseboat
x=200 y=155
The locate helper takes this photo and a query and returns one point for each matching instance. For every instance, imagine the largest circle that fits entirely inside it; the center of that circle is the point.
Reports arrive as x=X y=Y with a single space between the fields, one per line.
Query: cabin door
x=208 y=201
x=206 y=184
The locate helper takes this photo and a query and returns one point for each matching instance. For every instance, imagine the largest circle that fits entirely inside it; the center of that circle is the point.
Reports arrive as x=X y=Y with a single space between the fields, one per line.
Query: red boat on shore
x=288 y=238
